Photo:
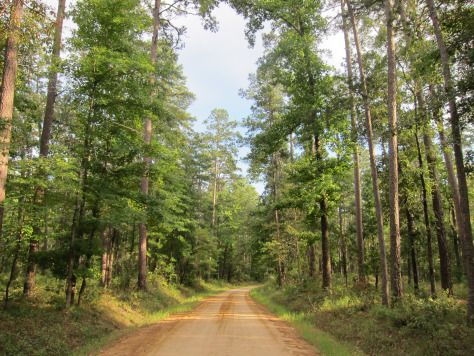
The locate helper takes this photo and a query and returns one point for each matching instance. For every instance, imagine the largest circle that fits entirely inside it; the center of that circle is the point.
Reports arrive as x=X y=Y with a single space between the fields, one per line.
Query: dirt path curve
x=228 y=324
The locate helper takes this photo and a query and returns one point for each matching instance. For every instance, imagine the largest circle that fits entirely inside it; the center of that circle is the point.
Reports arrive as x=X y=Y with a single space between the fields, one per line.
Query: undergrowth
x=41 y=326
x=417 y=325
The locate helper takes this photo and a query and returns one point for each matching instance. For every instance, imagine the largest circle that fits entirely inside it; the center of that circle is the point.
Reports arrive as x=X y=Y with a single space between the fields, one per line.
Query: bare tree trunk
x=354 y=138
x=395 y=255
x=343 y=247
x=326 y=258
x=325 y=262
x=105 y=254
x=110 y=258
x=426 y=215
x=432 y=169
x=445 y=269
x=71 y=278
x=147 y=127
x=81 y=291
x=44 y=142
x=465 y=215
x=311 y=260
x=459 y=268
x=412 y=252
x=448 y=161
x=275 y=193
x=214 y=193
x=452 y=180
x=7 y=93
x=373 y=163
x=14 y=267
x=79 y=211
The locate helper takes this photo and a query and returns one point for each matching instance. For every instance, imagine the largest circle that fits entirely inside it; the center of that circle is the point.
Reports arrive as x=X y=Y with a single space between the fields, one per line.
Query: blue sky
x=217 y=64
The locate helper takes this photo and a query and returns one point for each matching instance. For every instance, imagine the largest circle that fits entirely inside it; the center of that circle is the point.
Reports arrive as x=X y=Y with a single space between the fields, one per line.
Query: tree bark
x=311 y=260
x=326 y=257
x=457 y=256
x=465 y=215
x=105 y=253
x=14 y=267
x=355 y=154
x=44 y=142
x=412 y=252
x=343 y=247
x=214 y=194
x=445 y=268
x=373 y=163
x=452 y=179
x=147 y=127
x=7 y=94
x=275 y=193
x=424 y=198
x=395 y=254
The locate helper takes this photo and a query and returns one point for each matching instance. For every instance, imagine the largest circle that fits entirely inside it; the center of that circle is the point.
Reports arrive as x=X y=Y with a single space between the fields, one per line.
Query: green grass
x=322 y=340
x=42 y=327
x=354 y=316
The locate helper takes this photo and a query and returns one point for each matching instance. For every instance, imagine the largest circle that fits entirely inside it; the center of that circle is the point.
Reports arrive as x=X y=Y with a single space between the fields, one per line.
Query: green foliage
x=103 y=318
x=414 y=326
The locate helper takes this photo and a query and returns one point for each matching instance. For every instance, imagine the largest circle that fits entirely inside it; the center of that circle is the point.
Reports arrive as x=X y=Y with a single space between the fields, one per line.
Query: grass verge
x=322 y=340
x=42 y=327
x=417 y=325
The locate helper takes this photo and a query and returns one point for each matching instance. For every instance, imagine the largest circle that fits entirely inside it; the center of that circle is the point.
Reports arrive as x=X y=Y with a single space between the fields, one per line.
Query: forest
x=112 y=201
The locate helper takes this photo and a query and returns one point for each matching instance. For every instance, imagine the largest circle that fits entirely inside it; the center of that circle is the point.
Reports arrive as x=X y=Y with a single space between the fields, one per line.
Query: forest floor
x=419 y=325
x=230 y=323
x=41 y=326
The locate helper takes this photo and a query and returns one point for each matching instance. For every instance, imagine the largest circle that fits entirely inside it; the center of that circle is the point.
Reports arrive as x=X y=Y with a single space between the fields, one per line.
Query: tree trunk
x=395 y=256
x=445 y=269
x=465 y=215
x=354 y=138
x=452 y=180
x=214 y=194
x=7 y=93
x=326 y=257
x=105 y=253
x=459 y=268
x=429 y=249
x=276 y=171
x=79 y=210
x=325 y=262
x=110 y=258
x=14 y=267
x=412 y=253
x=343 y=247
x=81 y=291
x=311 y=260
x=44 y=142
x=373 y=163
x=147 y=127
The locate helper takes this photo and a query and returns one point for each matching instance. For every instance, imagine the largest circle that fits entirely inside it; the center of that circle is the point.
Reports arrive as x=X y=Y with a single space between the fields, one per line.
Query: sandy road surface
x=228 y=324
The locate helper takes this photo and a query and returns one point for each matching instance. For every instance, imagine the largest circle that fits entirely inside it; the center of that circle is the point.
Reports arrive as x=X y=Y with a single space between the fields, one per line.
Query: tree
x=354 y=136
x=373 y=163
x=222 y=137
x=147 y=134
x=7 y=93
x=396 y=277
x=464 y=210
x=45 y=138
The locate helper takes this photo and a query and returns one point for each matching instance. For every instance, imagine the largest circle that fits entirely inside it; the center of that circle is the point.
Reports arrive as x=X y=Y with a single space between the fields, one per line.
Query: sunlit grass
x=323 y=341
x=42 y=326
x=417 y=325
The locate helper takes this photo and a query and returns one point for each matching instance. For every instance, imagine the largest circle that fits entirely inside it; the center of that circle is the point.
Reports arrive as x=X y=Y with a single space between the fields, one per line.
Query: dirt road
x=228 y=324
